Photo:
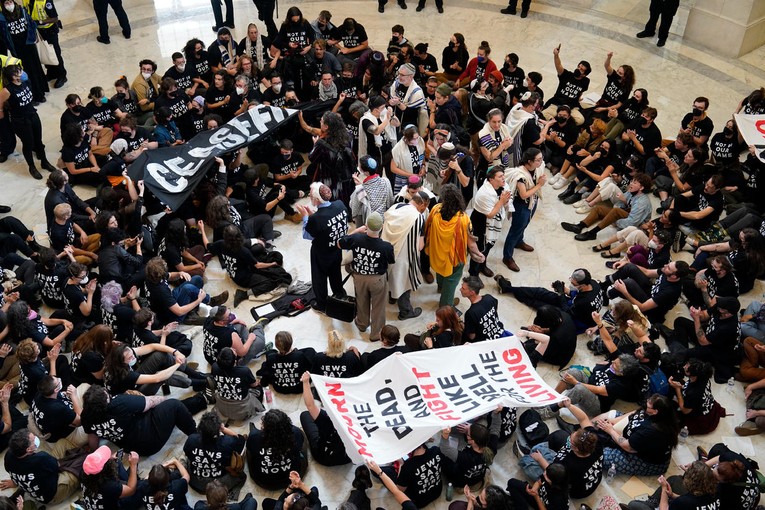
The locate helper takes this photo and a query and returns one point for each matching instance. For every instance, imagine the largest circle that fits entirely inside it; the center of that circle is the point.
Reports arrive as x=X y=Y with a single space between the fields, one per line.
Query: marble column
x=729 y=27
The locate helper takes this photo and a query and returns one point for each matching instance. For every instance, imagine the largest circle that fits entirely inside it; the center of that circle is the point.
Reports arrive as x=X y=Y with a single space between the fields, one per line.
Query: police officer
x=45 y=14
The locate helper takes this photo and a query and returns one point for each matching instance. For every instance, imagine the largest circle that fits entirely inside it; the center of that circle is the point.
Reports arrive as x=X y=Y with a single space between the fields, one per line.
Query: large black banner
x=172 y=173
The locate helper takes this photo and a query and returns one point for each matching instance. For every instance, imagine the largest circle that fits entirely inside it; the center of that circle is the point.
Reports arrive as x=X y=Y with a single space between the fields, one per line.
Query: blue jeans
x=187 y=292
x=753 y=328
x=521 y=219
x=530 y=467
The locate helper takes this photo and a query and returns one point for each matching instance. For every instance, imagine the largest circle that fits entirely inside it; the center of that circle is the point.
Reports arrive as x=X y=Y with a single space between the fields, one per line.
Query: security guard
x=44 y=13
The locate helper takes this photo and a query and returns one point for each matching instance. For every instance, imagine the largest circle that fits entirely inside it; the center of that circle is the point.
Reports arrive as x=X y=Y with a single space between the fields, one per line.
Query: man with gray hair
x=371 y=257
x=324 y=223
x=407 y=98
x=579 y=299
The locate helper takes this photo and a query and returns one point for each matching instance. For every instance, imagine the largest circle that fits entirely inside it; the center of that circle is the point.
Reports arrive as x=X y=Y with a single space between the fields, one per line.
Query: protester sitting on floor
x=326 y=446
x=699 y=411
x=209 y=451
x=552 y=337
x=283 y=368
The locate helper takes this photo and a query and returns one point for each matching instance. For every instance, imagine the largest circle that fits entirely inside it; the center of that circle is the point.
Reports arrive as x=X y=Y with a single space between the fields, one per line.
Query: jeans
x=521 y=219
x=188 y=292
x=753 y=328
x=530 y=467
x=448 y=285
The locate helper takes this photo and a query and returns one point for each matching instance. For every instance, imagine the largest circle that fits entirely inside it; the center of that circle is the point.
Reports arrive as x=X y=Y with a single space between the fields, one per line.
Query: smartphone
x=120 y=454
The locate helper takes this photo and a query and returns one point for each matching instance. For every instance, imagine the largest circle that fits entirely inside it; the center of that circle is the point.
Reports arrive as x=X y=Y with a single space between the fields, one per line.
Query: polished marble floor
x=673 y=75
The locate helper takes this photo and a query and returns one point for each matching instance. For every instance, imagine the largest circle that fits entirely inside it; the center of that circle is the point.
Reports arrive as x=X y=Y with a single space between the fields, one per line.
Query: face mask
x=104 y=100
x=697 y=112
x=290 y=102
x=287 y=156
x=32 y=315
x=146 y=76
x=10 y=8
x=451 y=44
x=652 y=244
x=37 y=442
x=577 y=73
x=132 y=362
x=181 y=68
x=24 y=76
x=526 y=83
x=727 y=131
x=561 y=120
x=240 y=90
x=277 y=87
x=84 y=281
x=122 y=95
x=480 y=58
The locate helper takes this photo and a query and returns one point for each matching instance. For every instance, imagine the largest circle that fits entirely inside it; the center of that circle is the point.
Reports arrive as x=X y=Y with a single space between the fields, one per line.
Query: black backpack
x=532 y=427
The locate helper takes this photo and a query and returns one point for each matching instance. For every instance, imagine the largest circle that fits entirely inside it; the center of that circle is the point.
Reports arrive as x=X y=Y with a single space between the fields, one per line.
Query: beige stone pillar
x=729 y=27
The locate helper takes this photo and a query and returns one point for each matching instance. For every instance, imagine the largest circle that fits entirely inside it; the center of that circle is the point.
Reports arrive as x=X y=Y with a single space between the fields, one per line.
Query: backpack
x=657 y=382
x=533 y=428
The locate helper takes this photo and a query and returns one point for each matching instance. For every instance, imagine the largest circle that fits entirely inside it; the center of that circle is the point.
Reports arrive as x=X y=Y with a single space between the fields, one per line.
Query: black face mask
x=577 y=73
x=78 y=109
x=122 y=95
x=697 y=112
x=451 y=44
x=561 y=120
x=727 y=131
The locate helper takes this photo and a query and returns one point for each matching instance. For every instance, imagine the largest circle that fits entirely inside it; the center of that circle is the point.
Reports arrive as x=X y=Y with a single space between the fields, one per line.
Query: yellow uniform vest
x=6 y=60
x=36 y=9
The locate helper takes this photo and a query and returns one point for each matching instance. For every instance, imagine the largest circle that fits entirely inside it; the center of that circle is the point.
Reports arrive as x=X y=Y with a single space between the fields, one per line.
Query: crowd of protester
x=417 y=168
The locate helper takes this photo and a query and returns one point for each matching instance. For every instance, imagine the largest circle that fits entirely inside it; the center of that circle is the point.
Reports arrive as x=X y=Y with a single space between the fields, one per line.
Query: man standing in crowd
x=664 y=8
x=101 y=8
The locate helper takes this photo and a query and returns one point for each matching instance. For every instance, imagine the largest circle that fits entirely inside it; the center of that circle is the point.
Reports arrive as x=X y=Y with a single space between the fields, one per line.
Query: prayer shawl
x=446 y=241
x=227 y=52
x=373 y=195
x=258 y=50
x=413 y=98
x=515 y=121
x=484 y=201
x=402 y=228
x=388 y=133
x=403 y=159
x=519 y=173
x=330 y=93
x=487 y=139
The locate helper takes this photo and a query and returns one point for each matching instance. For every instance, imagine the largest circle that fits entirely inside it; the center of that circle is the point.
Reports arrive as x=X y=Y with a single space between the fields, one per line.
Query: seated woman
x=33 y=370
x=177 y=252
x=625 y=327
x=468 y=466
x=608 y=188
x=696 y=488
x=117 y=311
x=326 y=446
x=105 y=482
x=699 y=411
x=297 y=496
x=79 y=299
x=51 y=272
x=217 y=499
x=224 y=329
x=336 y=361
x=77 y=157
x=89 y=354
x=275 y=451
x=166 y=133
x=593 y=169
x=549 y=492
x=258 y=274
x=166 y=487
x=133 y=422
x=552 y=337
x=116 y=263
x=581 y=452
x=209 y=452
x=737 y=480
x=237 y=393
x=64 y=233
x=284 y=368
x=446 y=331
x=746 y=251
x=644 y=439
x=23 y=322
x=683 y=177
x=144 y=334
x=586 y=145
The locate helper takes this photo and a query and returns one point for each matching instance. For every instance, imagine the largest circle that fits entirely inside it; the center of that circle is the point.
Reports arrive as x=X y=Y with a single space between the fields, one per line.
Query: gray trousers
x=371 y=297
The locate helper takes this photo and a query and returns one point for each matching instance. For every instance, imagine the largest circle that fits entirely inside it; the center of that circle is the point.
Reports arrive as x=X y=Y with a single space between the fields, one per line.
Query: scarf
x=446 y=241
x=388 y=133
x=515 y=121
x=403 y=158
x=227 y=52
x=484 y=201
x=258 y=50
x=520 y=174
x=486 y=138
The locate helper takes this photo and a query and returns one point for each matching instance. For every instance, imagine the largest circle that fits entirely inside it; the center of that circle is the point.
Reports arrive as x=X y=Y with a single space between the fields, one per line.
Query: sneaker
x=679 y=241
x=520 y=450
x=585 y=209
x=262 y=323
x=219 y=299
x=701 y=453
x=747 y=428
x=559 y=287
x=411 y=315
x=239 y=296
x=562 y=183
x=580 y=203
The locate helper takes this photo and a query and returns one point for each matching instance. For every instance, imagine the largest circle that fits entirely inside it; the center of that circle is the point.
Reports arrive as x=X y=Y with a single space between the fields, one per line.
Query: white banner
x=401 y=402
x=752 y=129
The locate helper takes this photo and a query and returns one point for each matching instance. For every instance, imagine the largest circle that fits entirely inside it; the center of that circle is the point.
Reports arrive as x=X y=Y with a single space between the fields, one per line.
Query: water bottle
x=683 y=434
x=269 y=396
x=611 y=474
x=731 y=386
x=449 y=492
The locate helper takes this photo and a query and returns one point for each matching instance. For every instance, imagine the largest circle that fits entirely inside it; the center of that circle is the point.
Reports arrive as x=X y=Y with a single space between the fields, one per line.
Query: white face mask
x=652 y=244
x=37 y=442
x=132 y=362
x=146 y=76
x=10 y=8
x=277 y=87
x=84 y=281
x=240 y=90
x=179 y=68
x=526 y=82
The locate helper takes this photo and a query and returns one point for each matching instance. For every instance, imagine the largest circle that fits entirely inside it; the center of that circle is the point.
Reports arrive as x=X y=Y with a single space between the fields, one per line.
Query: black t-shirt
x=691 y=502
x=715 y=201
x=649 y=137
x=530 y=134
x=482 y=318
x=273 y=98
x=201 y=66
x=698 y=396
x=370 y=359
x=123 y=421
x=347 y=365
x=329 y=450
x=651 y=445
x=327 y=225
x=269 y=467
x=232 y=384
x=171 y=253
x=160 y=300
x=613 y=92
x=52 y=281
x=723 y=334
x=73 y=297
x=209 y=461
x=70 y=118
x=617 y=387
x=107 y=498
x=31 y=374
x=568 y=133
x=215 y=95
x=371 y=255
x=54 y=416
x=134 y=143
x=302 y=34
x=61 y=235
x=183 y=80
x=665 y=294
x=283 y=371
x=733 y=495
x=724 y=149
x=470 y=467
x=116 y=387
x=351 y=40
x=178 y=105
x=553 y=499
x=216 y=338
x=175 y=498
x=103 y=113
x=84 y=365
x=702 y=127
x=238 y=265
x=584 y=473
x=78 y=155
x=36 y=474
x=514 y=78
x=282 y=166
x=569 y=89
x=586 y=302
x=562 y=343
x=421 y=475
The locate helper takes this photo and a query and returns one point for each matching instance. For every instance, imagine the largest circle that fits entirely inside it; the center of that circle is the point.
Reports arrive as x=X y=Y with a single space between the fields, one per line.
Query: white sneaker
x=562 y=183
x=583 y=209
x=555 y=178
x=579 y=203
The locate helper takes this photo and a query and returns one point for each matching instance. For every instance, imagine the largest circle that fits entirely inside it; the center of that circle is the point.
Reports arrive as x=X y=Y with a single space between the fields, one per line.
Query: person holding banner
x=468 y=467
x=326 y=446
